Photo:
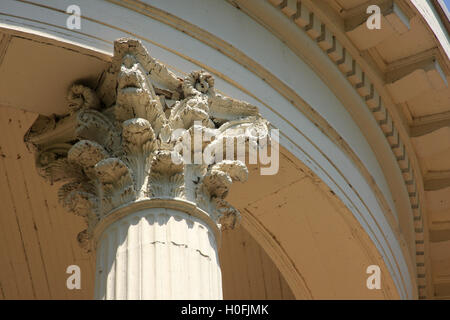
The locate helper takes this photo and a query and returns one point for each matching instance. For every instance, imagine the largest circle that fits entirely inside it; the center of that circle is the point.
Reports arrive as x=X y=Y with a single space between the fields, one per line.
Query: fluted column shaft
x=158 y=253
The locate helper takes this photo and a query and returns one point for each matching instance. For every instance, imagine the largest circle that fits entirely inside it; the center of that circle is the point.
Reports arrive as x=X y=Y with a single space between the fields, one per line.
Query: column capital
x=128 y=140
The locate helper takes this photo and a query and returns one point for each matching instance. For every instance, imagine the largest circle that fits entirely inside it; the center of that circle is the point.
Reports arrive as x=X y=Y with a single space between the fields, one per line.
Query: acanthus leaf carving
x=116 y=145
x=81 y=97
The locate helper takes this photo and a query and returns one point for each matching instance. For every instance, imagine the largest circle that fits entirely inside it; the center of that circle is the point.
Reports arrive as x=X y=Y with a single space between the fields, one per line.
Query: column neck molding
x=187 y=207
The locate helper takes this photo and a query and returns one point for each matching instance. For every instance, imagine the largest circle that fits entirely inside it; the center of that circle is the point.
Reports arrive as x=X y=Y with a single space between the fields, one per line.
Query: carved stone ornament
x=116 y=144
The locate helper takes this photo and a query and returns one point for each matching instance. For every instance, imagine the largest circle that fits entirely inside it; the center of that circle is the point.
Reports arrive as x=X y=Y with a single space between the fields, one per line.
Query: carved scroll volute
x=116 y=144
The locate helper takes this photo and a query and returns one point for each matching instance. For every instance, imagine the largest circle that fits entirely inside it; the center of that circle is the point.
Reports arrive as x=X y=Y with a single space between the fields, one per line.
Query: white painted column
x=154 y=220
x=158 y=253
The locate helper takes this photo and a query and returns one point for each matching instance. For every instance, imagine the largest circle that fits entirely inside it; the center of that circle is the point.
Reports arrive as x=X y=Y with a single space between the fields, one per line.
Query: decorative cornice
x=306 y=19
x=126 y=141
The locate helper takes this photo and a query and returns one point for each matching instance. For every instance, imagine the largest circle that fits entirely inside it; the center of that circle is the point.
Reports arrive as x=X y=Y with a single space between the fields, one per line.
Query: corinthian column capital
x=127 y=141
